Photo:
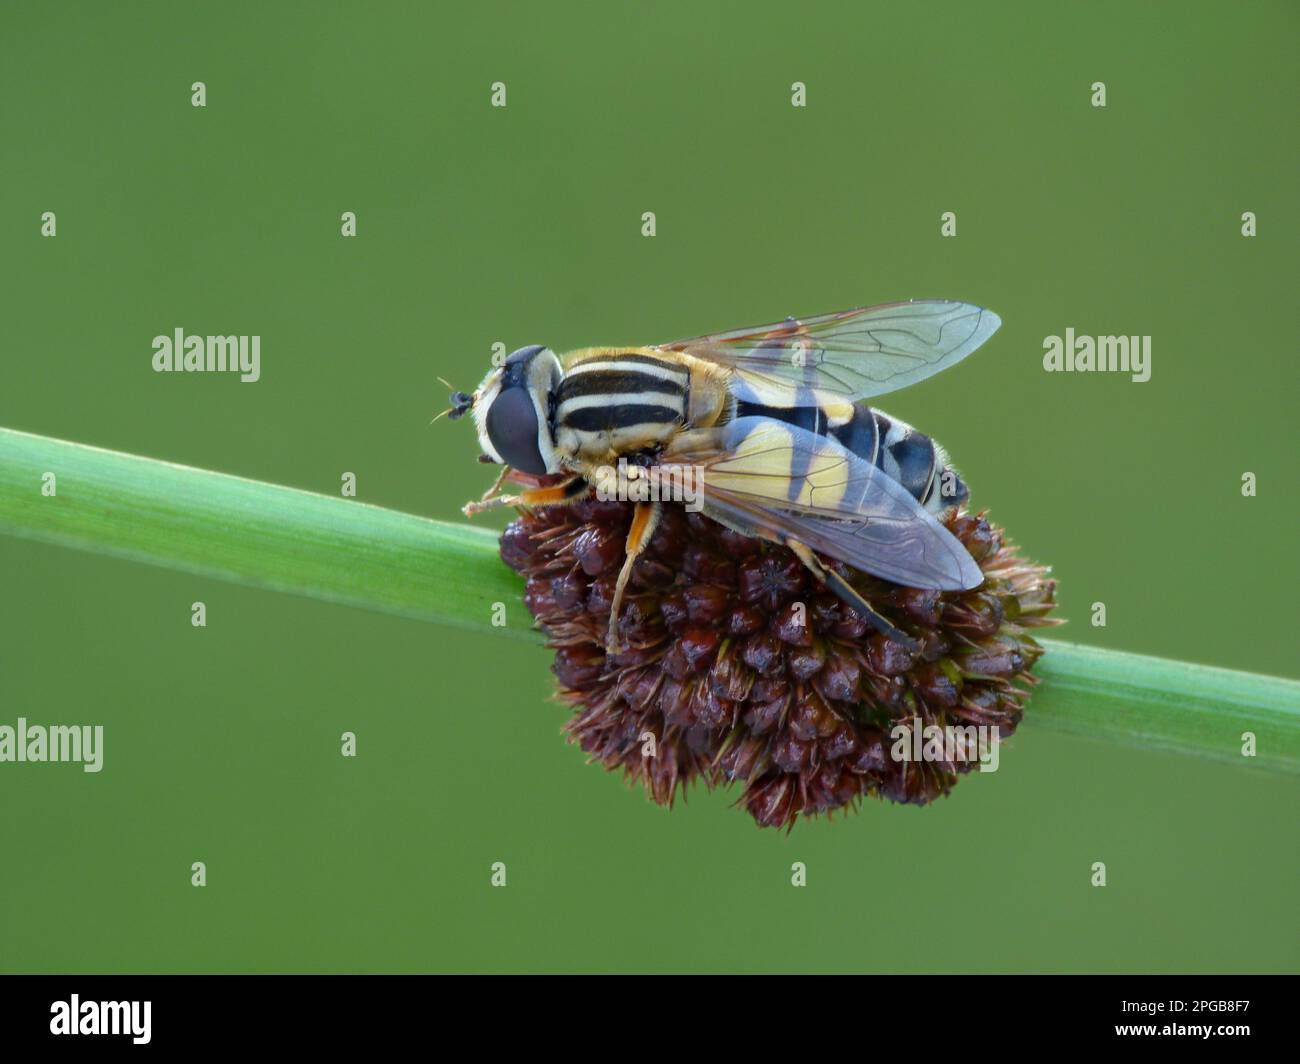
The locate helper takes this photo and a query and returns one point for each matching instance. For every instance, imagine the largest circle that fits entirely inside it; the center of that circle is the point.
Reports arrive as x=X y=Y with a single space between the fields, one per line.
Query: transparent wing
x=779 y=480
x=845 y=356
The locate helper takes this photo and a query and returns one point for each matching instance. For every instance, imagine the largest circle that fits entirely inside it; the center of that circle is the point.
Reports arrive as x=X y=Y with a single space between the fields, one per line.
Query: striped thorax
x=614 y=402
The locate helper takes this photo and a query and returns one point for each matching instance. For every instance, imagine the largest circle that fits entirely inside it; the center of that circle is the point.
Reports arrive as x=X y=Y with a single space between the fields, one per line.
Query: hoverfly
x=768 y=420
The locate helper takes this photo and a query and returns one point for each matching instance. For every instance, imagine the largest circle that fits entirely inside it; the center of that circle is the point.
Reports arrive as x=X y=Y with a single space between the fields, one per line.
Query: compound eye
x=512 y=428
x=524 y=355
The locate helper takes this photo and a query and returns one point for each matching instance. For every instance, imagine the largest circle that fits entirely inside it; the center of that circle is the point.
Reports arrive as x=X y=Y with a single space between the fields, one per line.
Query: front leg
x=570 y=491
x=496 y=484
x=644 y=523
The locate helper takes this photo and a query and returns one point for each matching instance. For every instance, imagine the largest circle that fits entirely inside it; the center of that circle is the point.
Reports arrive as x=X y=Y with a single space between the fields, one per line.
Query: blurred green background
x=521 y=225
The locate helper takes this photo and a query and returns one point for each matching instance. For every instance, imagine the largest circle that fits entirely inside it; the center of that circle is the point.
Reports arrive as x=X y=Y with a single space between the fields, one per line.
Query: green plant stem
x=344 y=551
x=248 y=532
x=1158 y=703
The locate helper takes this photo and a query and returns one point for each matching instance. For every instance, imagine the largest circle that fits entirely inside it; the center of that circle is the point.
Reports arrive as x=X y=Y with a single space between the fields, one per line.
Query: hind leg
x=644 y=523
x=844 y=590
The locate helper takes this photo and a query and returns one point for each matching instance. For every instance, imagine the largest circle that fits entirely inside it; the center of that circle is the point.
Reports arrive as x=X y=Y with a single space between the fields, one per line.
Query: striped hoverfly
x=768 y=421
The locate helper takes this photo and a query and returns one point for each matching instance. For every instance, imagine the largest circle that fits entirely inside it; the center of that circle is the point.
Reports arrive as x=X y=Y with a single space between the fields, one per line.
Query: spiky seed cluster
x=744 y=669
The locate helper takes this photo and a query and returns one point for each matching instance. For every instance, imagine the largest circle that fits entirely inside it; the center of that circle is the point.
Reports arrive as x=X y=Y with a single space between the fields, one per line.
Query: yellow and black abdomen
x=895 y=448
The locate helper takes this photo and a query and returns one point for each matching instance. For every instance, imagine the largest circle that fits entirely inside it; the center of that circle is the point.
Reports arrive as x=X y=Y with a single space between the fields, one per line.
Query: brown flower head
x=741 y=668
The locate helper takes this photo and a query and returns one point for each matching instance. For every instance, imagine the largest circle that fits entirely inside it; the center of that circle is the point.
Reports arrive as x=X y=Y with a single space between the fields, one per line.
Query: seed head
x=737 y=667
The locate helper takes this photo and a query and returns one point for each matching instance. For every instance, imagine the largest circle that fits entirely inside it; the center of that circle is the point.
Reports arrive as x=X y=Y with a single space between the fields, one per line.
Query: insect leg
x=848 y=595
x=560 y=495
x=496 y=484
x=644 y=522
